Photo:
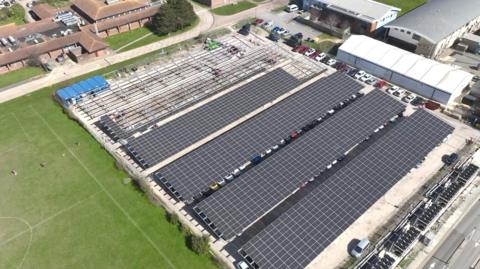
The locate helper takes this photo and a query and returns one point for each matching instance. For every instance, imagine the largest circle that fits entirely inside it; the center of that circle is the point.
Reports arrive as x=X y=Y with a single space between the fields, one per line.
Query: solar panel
x=168 y=139
x=254 y=193
x=295 y=238
x=192 y=173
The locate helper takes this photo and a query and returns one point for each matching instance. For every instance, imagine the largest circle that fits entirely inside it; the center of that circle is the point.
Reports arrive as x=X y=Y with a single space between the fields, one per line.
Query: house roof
x=128 y=18
x=45 y=11
x=447 y=78
x=98 y=9
x=437 y=19
x=368 y=10
x=90 y=42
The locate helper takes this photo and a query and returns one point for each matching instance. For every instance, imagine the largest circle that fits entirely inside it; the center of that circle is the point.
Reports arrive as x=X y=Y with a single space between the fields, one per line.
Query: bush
x=173 y=219
x=199 y=244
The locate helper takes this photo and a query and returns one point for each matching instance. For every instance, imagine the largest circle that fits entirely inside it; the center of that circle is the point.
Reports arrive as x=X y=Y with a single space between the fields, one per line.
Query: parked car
x=418 y=101
x=450 y=159
x=366 y=77
x=359 y=74
x=371 y=81
x=399 y=93
x=409 y=98
x=295 y=40
x=320 y=56
x=274 y=37
x=331 y=62
x=309 y=52
x=242 y=265
x=258 y=22
x=359 y=248
x=303 y=49
x=392 y=89
x=380 y=84
x=291 y=8
x=245 y=30
x=352 y=72
x=268 y=24
x=282 y=31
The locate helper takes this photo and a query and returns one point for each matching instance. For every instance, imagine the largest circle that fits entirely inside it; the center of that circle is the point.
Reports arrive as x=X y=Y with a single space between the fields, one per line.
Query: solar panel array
x=301 y=233
x=254 y=193
x=166 y=140
x=195 y=171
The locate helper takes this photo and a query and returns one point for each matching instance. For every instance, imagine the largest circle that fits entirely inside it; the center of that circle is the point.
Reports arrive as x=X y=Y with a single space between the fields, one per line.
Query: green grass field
x=19 y=75
x=233 y=8
x=121 y=40
x=74 y=212
x=405 y=5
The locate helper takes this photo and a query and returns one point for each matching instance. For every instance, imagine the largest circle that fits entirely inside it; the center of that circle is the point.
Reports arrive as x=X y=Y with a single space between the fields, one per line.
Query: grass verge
x=233 y=8
x=19 y=75
x=405 y=5
x=144 y=36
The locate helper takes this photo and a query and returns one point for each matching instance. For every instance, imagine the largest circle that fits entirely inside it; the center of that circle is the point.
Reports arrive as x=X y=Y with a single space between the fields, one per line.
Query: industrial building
x=433 y=80
x=435 y=26
x=363 y=16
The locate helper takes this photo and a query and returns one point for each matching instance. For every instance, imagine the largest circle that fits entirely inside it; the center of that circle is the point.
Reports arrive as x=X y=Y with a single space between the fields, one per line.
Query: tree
x=199 y=244
x=174 y=15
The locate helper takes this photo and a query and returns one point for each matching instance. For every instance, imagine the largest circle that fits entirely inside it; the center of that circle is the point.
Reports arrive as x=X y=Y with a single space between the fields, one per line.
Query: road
x=461 y=249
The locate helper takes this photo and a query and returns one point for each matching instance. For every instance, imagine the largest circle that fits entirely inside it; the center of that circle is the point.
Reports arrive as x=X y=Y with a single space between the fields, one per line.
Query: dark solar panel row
x=192 y=173
x=254 y=193
x=300 y=234
x=166 y=140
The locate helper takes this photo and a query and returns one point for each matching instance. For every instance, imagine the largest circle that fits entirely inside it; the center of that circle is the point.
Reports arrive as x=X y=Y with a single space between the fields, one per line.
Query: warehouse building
x=435 y=26
x=433 y=80
x=362 y=16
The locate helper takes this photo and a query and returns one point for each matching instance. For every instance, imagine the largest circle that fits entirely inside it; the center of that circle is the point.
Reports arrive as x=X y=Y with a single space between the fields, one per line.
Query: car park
x=357 y=251
x=310 y=52
x=409 y=98
x=359 y=74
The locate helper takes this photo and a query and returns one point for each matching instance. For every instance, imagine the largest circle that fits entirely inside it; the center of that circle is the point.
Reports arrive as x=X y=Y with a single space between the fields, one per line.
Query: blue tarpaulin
x=74 y=92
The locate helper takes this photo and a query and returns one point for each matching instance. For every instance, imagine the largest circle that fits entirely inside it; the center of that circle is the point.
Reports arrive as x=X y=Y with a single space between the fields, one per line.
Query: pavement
x=461 y=248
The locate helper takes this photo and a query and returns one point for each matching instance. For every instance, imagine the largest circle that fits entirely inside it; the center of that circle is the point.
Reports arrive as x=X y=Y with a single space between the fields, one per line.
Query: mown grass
x=14 y=14
x=233 y=8
x=68 y=207
x=19 y=75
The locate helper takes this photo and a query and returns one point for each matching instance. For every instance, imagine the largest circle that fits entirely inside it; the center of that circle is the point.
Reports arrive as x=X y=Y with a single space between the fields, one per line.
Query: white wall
x=390 y=16
x=406 y=35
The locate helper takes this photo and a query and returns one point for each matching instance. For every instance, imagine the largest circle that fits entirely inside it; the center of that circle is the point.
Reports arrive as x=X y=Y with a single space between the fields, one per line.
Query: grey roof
x=368 y=10
x=437 y=19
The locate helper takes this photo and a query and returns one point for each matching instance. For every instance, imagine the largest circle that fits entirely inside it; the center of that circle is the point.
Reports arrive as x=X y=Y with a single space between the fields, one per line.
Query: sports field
x=67 y=207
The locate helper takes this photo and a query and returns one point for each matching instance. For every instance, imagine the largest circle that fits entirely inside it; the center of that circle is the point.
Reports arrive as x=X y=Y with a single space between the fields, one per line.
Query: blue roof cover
x=93 y=84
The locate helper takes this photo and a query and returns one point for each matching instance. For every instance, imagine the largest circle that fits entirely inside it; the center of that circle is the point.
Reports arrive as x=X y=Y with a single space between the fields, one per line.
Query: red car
x=296 y=48
x=303 y=49
x=258 y=22
x=315 y=54
x=294 y=134
x=379 y=84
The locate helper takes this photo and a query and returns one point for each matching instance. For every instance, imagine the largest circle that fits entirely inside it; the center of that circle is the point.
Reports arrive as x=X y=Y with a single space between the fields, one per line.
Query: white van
x=291 y=8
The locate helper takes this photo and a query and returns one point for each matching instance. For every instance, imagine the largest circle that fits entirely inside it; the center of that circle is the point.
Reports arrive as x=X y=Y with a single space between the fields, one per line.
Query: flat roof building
x=363 y=16
x=428 y=78
x=435 y=26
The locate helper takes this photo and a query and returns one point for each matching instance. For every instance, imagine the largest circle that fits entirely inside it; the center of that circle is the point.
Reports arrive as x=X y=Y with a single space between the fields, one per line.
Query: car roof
x=363 y=243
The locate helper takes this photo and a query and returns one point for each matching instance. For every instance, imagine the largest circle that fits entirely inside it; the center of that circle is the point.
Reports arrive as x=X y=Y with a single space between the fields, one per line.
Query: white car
x=309 y=52
x=282 y=31
x=360 y=74
x=399 y=93
x=268 y=24
x=291 y=8
x=242 y=265
x=392 y=89
x=331 y=62
x=320 y=56
x=365 y=77
x=409 y=98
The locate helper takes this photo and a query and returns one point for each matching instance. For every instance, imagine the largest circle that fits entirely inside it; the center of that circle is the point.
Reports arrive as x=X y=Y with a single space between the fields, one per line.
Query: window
x=408 y=32
x=403 y=31
x=416 y=37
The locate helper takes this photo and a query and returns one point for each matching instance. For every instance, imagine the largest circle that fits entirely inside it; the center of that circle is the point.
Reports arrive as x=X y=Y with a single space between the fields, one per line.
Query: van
x=291 y=8
x=359 y=248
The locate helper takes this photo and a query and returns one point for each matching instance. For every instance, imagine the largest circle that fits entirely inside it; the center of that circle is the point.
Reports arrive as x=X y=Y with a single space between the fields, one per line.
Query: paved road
x=461 y=249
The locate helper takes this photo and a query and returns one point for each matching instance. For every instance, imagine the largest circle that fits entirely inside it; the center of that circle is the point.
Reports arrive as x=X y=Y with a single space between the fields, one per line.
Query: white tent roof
x=447 y=78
